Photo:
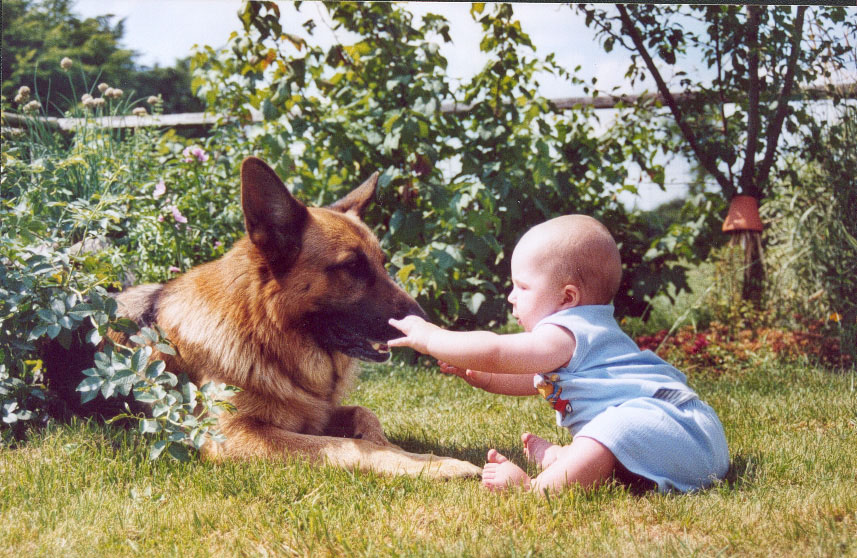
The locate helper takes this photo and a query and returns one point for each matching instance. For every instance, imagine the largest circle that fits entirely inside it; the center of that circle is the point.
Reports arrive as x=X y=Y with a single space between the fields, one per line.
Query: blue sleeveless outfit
x=634 y=403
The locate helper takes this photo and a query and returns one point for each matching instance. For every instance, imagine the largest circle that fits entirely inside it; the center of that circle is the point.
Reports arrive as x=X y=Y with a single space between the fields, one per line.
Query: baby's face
x=535 y=294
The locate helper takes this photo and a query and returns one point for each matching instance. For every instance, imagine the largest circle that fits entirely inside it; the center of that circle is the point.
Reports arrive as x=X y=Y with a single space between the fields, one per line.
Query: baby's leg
x=539 y=451
x=586 y=462
x=499 y=473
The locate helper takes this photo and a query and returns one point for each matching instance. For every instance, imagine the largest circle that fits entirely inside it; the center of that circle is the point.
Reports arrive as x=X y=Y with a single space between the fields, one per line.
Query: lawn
x=89 y=490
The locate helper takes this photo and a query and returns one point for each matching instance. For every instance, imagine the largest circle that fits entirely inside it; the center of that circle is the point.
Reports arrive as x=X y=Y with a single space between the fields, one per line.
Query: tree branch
x=718 y=56
x=775 y=126
x=748 y=173
x=708 y=162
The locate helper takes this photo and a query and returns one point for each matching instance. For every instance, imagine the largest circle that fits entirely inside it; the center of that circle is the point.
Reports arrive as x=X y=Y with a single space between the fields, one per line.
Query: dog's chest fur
x=284 y=377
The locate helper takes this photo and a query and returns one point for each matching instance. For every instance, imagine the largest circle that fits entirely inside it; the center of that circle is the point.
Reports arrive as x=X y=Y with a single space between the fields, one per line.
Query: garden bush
x=457 y=190
x=83 y=214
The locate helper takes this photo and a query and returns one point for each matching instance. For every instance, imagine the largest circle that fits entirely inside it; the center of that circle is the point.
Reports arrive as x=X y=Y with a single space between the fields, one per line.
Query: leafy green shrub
x=80 y=215
x=457 y=190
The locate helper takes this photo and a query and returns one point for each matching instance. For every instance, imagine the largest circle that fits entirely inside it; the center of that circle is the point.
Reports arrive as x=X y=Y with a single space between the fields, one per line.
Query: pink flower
x=218 y=244
x=194 y=152
x=160 y=218
x=177 y=215
x=174 y=269
x=160 y=190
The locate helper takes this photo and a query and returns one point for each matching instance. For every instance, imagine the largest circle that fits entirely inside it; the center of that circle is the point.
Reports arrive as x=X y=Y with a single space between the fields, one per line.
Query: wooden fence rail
x=194 y=119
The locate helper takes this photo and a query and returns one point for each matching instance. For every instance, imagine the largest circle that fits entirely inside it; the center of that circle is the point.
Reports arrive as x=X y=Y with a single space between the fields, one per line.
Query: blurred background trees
x=37 y=34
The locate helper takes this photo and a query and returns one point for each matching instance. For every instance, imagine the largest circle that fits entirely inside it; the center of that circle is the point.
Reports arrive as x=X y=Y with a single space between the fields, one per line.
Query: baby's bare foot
x=538 y=450
x=499 y=473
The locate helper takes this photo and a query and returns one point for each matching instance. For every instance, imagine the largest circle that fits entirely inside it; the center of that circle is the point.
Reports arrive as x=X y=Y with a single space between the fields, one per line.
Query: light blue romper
x=634 y=403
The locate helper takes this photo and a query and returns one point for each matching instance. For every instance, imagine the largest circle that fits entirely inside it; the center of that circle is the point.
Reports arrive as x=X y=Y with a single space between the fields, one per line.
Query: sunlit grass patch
x=85 y=489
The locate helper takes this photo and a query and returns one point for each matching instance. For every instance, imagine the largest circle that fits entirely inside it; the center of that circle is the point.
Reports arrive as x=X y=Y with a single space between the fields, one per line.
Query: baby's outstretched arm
x=503 y=384
x=544 y=349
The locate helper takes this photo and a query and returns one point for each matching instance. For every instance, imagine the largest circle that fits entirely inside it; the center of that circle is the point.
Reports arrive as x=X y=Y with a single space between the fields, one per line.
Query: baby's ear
x=572 y=296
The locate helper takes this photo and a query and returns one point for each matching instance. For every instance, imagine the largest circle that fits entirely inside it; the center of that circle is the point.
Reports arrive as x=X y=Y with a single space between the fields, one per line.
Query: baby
x=631 y=415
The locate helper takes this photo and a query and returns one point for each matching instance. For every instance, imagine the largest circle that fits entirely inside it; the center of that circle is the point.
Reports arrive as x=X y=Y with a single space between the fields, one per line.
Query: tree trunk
x=754 y=267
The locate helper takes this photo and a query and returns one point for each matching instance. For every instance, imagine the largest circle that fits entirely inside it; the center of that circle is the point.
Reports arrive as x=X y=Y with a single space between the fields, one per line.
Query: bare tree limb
x=706 y=159
x=775 y=126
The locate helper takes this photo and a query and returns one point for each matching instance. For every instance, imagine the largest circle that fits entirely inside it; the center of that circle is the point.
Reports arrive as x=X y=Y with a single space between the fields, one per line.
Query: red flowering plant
x=718 y=345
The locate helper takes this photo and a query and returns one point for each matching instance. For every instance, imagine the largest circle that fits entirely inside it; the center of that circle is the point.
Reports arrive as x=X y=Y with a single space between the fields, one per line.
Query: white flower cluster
x=23 y=98
x=107 y=92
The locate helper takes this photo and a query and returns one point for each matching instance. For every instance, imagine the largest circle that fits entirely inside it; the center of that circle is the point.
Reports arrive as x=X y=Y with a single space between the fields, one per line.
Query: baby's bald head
x=578 y=250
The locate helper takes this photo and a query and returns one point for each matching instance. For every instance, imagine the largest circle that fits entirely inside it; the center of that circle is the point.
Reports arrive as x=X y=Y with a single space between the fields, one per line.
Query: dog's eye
x=356 y=265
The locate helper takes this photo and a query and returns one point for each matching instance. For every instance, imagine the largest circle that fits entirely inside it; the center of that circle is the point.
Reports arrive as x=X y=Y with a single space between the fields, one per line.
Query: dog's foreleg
x=356 y=422
x=247 y=438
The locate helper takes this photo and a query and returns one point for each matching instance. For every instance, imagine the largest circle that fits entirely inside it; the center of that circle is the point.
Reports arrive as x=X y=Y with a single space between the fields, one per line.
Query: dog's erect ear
x=274 y=219
x=356 y=201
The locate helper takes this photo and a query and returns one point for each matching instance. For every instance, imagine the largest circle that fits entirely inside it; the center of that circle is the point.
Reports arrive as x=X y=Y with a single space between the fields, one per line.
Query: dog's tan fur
x=260 y=318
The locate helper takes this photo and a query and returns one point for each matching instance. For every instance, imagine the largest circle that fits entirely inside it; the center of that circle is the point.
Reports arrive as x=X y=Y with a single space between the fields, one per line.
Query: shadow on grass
x=743 y=471
x=475 y=455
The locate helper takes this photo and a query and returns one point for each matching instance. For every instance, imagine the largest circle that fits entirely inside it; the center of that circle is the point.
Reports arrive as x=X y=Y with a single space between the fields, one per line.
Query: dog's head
x=327 y=264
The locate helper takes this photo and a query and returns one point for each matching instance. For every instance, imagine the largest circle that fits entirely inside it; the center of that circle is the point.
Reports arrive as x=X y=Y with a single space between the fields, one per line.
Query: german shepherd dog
x=284 y=315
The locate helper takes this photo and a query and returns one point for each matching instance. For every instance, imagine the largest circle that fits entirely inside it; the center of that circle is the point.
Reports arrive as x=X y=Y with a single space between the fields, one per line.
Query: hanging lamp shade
x=743 y=215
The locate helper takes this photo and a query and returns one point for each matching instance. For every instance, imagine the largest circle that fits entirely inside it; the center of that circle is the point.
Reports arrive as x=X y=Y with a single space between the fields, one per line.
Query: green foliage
x=81 y=215
x=814 y=227
x=37 y=35
x=456 y=190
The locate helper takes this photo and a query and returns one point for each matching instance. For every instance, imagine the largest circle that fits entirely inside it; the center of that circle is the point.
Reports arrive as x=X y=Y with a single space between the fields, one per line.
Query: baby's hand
x=447 y=368
x=417 y=333
x=475 y=378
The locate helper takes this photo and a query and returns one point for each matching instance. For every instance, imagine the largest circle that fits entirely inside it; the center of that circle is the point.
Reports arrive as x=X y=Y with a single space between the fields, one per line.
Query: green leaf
x=37 y=332
x=165 y=349
x=89 y=387
x=58 y=306
x=46 y=315
x=154 y=369
x=144 y=396
x=93 y=337
x=474 y=302
x=178 y=452
x=54 y=330
x=269 y=111
x=157 y=449
x=149 y=426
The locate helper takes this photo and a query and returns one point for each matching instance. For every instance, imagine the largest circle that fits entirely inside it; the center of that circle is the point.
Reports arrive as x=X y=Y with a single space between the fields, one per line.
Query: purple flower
x=160 y=190
x=194 y=152
x=174 y=269
x=177 y=215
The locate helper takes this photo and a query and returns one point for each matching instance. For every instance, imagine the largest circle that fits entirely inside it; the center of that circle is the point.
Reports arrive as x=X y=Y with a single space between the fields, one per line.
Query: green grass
x=89 y=490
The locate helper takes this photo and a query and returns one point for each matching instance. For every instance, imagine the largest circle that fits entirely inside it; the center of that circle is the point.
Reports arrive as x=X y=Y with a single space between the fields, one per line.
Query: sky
x=161 y=31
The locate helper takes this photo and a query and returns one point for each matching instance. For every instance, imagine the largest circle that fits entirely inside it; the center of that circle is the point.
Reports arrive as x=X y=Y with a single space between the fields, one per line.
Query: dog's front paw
x=449 y=468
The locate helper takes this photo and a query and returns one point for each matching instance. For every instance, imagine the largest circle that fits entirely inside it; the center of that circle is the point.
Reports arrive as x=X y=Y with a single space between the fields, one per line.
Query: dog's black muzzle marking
x=359 y=335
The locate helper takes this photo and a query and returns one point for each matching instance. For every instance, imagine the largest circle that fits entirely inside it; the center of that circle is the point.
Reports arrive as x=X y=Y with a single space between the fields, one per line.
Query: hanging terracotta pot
x=743 y=215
